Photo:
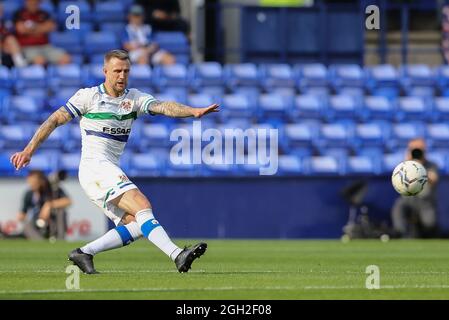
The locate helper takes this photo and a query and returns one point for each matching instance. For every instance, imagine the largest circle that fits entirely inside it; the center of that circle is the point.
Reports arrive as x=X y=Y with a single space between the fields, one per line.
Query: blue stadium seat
x=109 y=11
x=171 y=75
x=370 y=134
x=49 y=7
x=70 y=162
x=33 y=76
x=440 y=159
x=441 y=108
x=68 y=75
x=55 y=140
x=6 y=80
x=15 y=136
x=67 y=40
x=277 y=75
x=356 y=92
x=100 y=42
x=244 y=74
x=318 y=165
x=290 y=164
x=334 y=135
x=173 y=41
x=61 y=97
x=73 y=138
x=206 y=74
x=144 y=165
x=44 y=161
x=412 y=108
x=402 y=133
x=438 y=135
x=299 y=135
x=85 y=10
x=273 y=105
x=377 y=107
x=423 y=92
x=5 y=96
x=39 y=96
x=93 y=74
x=311 y=75
x=308 y=106
x=154 y=135
x=6 y=168
x=115 y=27
x=23 y=108
x=140 y=76
x=391 y=160
x=442 y=77
x=383 y=75
x=199 y=100
x=361 y=165
x=9 y=8
x=237 y=106
x=347 y=75
x=416 y=75
x=342 y=107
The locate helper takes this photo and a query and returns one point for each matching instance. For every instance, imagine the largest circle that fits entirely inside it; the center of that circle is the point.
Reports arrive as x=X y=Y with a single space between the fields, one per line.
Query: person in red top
x=10 y=52
x=32 y=28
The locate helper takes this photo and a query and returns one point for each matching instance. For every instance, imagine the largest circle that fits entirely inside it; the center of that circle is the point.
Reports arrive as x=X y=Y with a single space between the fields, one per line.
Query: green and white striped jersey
x=105 y=120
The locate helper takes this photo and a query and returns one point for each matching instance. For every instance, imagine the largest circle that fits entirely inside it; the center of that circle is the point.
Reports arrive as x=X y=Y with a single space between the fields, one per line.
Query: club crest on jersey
x=126 y=105
x=123 y=178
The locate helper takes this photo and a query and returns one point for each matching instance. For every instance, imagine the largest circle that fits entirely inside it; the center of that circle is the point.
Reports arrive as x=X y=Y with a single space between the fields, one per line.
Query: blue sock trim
x=124 y=233
x=148 y=226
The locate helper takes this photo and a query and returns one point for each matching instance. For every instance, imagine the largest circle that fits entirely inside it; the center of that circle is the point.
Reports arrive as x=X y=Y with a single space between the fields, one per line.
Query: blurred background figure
x=416 y=217
x=165 y=15
x=445 y=33
x=10 y=52
x=43 y=207
x=33 y=26
x=138 y=41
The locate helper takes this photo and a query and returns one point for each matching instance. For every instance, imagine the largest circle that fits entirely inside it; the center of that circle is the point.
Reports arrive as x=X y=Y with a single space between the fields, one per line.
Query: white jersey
x=105 y=120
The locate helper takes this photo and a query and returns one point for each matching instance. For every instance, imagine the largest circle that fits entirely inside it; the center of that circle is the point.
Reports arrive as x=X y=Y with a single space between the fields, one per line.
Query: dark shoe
x=83 y=260
x=184 y=260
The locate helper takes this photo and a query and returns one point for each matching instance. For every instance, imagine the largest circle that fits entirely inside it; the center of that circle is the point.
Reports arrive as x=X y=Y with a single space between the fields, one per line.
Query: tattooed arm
x=58 y=118
x=178 y=110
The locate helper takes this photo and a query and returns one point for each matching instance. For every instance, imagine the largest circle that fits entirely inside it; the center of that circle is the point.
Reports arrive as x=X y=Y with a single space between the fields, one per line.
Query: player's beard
x=120 y=88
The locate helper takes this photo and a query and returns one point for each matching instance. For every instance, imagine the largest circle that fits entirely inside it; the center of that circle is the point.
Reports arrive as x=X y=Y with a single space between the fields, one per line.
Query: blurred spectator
x=10 y=53
x=32 y=27
x=165 y=15
x=417 y=216
x=39 y=204
x=138 y=42
x=445 y=33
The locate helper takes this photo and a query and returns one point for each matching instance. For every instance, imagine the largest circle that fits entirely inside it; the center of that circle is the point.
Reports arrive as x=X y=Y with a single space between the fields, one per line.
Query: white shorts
x=104 y=181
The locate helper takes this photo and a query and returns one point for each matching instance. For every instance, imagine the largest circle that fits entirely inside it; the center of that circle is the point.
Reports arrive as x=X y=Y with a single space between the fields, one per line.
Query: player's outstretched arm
x=178 y=110
x=57 y=118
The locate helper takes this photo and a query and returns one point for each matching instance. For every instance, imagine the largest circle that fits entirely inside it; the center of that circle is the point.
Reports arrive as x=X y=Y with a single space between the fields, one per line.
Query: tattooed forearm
x=171 y=109
x=58 y=118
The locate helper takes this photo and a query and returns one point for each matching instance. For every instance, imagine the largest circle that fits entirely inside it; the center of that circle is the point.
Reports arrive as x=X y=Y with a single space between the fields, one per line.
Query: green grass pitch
x=231 y=269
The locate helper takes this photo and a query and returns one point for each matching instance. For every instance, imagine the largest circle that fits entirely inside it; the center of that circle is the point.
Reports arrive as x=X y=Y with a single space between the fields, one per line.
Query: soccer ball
x=409 y=178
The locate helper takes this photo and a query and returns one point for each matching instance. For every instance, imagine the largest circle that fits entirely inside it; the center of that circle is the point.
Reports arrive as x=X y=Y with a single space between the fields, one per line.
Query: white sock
x=19 y=60
x=115 y=238
x=156 y=234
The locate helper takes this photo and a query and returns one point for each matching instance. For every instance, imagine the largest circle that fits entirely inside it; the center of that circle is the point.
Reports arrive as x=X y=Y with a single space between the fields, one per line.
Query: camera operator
x=416 y=216
x=43 y=205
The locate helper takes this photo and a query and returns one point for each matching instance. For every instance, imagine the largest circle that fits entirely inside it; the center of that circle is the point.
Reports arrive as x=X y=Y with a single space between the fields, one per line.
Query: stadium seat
x=15 y=135
x=9 y=8
x=33 y=76
x=377 y=107
x=416 y=75
x=117 y=28
x=44 y=161
x=342 y=107
x=244 y=74
x=67 y=40
x=422 y=92
x=440 y=159
x=441 y=108
x=100 y=42
x=109 y=11
x=370 y=134
x=412 y=108
x=347 y=75
x=391 y=160
x=383 y=75
x=274 y=105
x=6 y=169
x=438 y=135
x=318 y=165
x=61 y=97
x=206 y=74
x=140 y=76
x=290 y=165
x=299 y=135
x=361 y=165
x=23 y=108
x=6 y=80
x=442 y=77
x=172 y=41
x=154 y=135
x=144 y=165
x=308 y=106
x=334 y=135
x=171 y=76
x=93 y=74
x=311 y=75
x=402 y=133
x=276 y=75
x=73 y=138
x=68 y=75
x=237 y=106
x=70 y=163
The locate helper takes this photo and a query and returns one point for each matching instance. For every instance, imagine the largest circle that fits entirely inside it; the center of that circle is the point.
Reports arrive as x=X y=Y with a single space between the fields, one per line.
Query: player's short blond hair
x=116 y=53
